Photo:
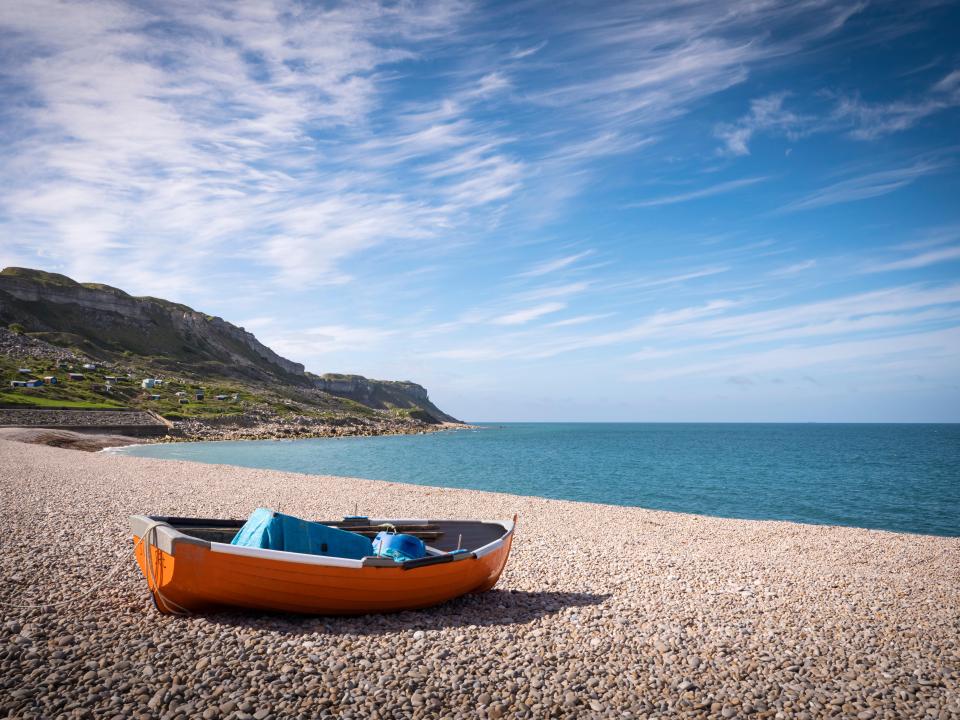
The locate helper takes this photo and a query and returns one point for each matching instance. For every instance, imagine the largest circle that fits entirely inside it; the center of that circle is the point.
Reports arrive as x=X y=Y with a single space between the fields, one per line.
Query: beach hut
x=50 y=379
x=147 y=383
x=89 y=366
x=158 y=383
x=221 y=397
x=199 y=395
x=24 y=371
x=184 y=401
x=180 y=394
x=154 y=397
x=18 y=383
x=75 y=376
x=33 y=383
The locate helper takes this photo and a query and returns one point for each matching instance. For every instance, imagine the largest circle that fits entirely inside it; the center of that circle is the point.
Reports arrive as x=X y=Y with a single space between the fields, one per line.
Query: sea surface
x=892 y=477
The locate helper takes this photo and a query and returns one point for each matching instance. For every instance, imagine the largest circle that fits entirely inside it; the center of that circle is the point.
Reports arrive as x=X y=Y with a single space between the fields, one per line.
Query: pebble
x=838 y=622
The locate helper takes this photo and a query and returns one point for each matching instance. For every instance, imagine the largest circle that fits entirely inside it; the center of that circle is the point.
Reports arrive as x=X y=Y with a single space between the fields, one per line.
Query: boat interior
x=439 y=535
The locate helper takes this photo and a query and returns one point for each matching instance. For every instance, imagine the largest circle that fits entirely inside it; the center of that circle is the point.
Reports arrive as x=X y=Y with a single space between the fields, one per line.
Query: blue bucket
x=400 y=547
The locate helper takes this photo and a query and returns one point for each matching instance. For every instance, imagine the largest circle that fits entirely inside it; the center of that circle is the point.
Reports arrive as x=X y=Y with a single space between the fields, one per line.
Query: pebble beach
x=602 y=611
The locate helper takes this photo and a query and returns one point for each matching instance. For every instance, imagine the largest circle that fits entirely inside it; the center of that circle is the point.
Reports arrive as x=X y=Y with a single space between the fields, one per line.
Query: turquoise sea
x=892 y=477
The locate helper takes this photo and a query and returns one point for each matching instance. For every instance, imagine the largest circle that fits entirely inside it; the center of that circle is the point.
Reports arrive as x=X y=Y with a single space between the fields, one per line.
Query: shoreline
x=98 y=442
x=602 y=610
x=203 y=431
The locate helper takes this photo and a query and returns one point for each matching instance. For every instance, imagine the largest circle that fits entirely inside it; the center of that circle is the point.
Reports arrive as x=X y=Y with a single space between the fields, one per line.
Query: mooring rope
x=152 y=582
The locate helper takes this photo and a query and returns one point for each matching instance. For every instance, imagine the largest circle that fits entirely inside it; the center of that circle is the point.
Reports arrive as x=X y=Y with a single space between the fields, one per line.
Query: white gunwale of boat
x=168 y=536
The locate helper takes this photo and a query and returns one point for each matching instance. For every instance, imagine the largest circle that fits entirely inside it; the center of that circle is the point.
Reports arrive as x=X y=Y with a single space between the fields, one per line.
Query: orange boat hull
x=195 y=577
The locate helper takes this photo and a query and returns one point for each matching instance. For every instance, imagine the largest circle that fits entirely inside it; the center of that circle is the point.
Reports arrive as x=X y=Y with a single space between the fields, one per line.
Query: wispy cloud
x=850 y=113
x=767 y=114
x=653 y=282
x=932 y=237
x=863 y=187
x=840 y=354
x=552 y=291
x=521 y=53
x=312 y=342
x=874 y=120
x=140 y=138
x=924 y=259
x=718 y=189
x=551 y=266
x=578 y=320
x=261 y=133
x=725 y=326
x=521 y=317
x=793 y=269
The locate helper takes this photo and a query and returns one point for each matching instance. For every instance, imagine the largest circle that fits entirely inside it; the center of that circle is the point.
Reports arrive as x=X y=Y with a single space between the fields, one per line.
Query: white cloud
x=552 y=291
x=652 y=282
x=722 y=325
x=521 y=317
x=229 y=131
x=767 y=114
x=860 y=119
x=206 y=139
x=874 y=120
x=924 y=259
x=793 y=269
x=862 y=187
x=578 y=320
x=710 y=191
x=317 y=341
x=551 y=266
x=521 y=53
x=839 y=354
x=261 y=321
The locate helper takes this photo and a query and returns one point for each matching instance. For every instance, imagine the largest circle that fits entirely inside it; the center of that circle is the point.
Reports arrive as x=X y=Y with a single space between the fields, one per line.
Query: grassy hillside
x=94 y=391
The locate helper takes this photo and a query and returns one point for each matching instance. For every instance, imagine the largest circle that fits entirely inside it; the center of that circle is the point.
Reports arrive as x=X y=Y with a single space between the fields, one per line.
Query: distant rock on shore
x=301 y=427
x=90 y=442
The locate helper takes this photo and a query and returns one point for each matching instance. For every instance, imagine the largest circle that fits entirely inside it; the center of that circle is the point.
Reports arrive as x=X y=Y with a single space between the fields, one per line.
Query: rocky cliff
x=107 y=323
x=105 y=320
x=381 y=394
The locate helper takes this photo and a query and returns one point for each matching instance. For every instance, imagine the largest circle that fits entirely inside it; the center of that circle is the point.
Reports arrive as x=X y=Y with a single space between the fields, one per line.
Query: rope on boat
x=152 y=583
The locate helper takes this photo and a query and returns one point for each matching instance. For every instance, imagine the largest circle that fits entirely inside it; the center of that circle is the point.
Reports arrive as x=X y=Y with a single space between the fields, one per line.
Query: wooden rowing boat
x=194 y=568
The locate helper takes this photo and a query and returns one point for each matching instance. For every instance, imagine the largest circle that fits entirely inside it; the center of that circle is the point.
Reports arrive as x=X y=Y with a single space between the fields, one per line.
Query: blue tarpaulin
x=276 y=531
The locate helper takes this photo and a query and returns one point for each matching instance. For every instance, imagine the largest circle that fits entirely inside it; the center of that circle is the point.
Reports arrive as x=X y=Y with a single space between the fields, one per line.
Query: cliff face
x=107 y=320
x=381 y=394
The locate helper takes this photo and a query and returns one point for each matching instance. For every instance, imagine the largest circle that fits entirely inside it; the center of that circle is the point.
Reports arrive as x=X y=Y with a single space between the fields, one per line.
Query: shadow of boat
x=492 y=608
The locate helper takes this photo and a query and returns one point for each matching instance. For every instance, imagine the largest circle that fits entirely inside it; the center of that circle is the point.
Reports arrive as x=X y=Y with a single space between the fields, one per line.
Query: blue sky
x=538 y=210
